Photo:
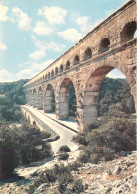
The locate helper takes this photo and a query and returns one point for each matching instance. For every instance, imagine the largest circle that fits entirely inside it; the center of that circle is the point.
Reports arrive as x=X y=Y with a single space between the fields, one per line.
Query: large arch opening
x=115 y=94
x=67 y=100
x=40 y=99
x=128 y=31
x=49 y=100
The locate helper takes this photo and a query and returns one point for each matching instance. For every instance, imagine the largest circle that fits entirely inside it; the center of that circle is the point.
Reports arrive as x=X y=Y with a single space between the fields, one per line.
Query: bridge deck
x=64 y=132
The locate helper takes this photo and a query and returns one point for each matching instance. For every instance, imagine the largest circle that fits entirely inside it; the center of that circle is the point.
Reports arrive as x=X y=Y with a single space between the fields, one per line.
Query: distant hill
x=11 y=96
x=115 y=92
x=13 y=91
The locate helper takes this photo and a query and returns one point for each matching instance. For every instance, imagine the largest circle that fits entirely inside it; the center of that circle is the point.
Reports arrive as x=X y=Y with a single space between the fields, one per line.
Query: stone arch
x=52 y=73
x=48 y=75
x=91 y=92
x=61 y=68
x=40 y=98
x=68 y=65
x=63 y=100
x=34 y=123
x=128 y=31
x=49 y=99
x=76 y=60
x=104 y=45
x=56 y=70
x=34 y=99
x=87 y=54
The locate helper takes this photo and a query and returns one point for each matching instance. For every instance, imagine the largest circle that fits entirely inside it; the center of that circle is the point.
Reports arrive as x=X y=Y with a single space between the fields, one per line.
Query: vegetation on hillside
x=115 y=92
x=107 y=137
x=11 y=96
x=21 y=145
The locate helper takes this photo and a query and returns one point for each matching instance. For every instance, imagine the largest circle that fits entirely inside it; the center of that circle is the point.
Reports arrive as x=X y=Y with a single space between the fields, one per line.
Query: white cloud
x=2 y=46
x=38 y=54
x=84 y=24
x=55 y=46
x=5 y=76
x=32 y=70
x=54 y=15
x=42 y=28
x=26 y=73
x=3 y=13
x=24 y=21
x=43 y=46
x=70 y=34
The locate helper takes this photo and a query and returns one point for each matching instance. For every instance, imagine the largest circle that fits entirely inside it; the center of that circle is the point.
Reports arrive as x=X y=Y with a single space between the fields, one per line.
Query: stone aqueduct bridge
x=109 y=45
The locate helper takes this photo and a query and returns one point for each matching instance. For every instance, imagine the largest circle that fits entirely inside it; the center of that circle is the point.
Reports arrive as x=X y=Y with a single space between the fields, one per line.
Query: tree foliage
x=105 y=138
x=115 y=92
x=11 y=96
x=21 y=145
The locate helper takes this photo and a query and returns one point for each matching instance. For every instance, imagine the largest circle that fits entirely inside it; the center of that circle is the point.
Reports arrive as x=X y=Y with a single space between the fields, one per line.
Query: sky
x=33 y=33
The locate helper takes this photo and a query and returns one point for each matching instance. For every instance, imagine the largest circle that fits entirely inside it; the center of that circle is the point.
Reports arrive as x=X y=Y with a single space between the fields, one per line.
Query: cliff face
x=117 y=176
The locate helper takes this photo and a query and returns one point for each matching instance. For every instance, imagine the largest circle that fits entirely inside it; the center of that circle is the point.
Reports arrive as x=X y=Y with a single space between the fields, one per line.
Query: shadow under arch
x=49 y=99
x=67 y=100
x=91 y=93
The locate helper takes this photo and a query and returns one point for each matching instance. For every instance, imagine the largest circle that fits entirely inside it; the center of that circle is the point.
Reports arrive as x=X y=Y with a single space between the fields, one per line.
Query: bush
x=78 y=187
x=64 y=148
x=58 y=173
x=106 y=138
x=21 y=145
x=63 y=156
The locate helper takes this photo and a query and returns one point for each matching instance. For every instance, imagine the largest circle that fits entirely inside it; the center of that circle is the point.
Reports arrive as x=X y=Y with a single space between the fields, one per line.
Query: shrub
x=106 y=138
x=63 y=156
x=78 y=187
x=64 y=148
x=80 y=139
x=21 y=145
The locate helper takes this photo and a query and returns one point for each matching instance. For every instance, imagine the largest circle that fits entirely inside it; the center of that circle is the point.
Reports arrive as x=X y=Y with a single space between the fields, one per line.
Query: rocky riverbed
x=113 y=177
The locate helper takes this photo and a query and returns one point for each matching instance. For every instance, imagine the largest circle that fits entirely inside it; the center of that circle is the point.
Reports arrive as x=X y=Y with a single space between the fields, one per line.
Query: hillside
x=11 y=96
x=115 y=92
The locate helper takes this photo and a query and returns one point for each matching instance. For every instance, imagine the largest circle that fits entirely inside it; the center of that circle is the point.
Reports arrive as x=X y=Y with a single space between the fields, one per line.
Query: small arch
x=52 y=73
x=56 y=70
x=76 y=60
x=128 y=31
x=48 y=75
x=68 y=65
x=34 y=123
x=87 y=54
x=104 y=45
x=61 y=68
